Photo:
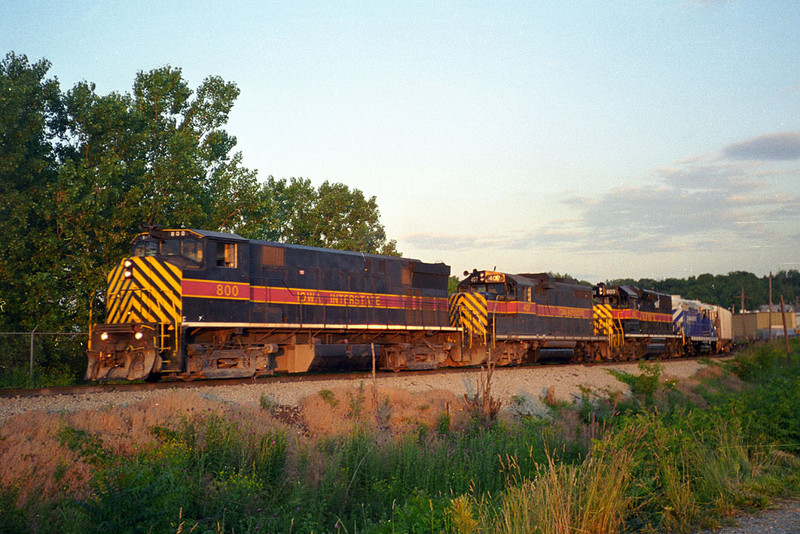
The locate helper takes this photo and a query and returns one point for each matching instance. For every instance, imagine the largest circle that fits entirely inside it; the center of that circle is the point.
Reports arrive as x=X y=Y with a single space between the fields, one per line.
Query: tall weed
x=591 y=496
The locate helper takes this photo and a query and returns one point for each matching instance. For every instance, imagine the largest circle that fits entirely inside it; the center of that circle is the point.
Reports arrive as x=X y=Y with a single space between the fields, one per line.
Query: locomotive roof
x=219 y=235
x=236 y=237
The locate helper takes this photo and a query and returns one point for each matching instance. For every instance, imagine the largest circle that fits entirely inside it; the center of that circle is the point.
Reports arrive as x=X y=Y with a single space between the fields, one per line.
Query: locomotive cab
x=145 y=305
x=490 y=285
x=183 y=248
x=143 y=309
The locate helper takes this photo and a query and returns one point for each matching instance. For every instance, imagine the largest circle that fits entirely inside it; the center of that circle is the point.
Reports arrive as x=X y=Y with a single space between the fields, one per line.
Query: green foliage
x=206 y=472
x=86 y=171
x=356 y=402
x=267 y=402
x=725 y=290
x=88 y=446
x=452 y=285
x=329 y=397
x=31 y=113
x=646 y=383
x=645 y=469
x=770 y=409
x=330 y=216
x=12 y=517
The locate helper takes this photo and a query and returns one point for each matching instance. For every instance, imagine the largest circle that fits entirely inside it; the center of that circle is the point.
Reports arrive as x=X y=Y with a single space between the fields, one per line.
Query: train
x=194 y=304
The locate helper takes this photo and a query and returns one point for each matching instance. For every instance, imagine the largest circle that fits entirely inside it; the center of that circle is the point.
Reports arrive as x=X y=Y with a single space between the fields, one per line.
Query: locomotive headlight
x=128 y=272
x=138 y=335
x=104 y=336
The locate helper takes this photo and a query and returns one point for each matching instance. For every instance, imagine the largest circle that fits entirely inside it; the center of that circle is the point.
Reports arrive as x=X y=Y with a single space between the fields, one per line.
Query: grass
x=672 y=457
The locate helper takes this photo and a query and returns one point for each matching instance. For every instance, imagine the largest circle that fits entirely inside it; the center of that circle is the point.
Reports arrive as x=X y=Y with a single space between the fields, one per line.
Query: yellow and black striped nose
x=603 y=319
x=469 y=311
x=144 y=290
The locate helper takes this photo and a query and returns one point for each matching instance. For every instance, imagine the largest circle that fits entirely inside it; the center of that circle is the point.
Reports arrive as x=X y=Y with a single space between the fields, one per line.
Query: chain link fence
x=40 y=359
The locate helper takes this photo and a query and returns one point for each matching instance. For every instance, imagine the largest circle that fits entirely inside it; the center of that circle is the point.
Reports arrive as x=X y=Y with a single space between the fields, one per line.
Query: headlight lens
x=138 y=335
x=104 y=336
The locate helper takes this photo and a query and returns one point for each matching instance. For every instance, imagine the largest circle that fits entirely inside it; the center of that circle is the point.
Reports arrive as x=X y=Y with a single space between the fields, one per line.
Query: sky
x=603 y=140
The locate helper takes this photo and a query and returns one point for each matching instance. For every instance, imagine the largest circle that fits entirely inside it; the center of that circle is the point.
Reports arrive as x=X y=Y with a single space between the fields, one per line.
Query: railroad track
x=170 y=384
x=277 y=379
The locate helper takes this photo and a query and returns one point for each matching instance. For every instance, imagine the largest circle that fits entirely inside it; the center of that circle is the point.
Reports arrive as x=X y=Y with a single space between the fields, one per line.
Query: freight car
x=198 y=304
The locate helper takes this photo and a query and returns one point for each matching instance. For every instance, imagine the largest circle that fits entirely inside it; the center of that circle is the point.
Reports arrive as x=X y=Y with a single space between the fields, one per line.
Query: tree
x=347 y=220
x=31 y=121
x=158 y=156
x=332 y=216
x=725 y=290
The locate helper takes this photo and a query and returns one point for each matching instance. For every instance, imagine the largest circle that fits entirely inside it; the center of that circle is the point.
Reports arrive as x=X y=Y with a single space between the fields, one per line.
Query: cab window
x=145 y=248
x=171 y=247
x=188 y=248
x=492 y=289
x=192 y=250
x=226 y=255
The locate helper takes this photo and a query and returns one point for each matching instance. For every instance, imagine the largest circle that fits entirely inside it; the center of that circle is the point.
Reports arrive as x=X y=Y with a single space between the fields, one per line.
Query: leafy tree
x=31 y=120
x=332 y=216
x=157 y=156
x=288 y=207
x=347 y=220
x=84 y=171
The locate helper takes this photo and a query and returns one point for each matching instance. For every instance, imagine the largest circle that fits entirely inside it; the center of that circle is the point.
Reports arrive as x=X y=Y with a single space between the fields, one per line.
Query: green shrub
x=329 y=397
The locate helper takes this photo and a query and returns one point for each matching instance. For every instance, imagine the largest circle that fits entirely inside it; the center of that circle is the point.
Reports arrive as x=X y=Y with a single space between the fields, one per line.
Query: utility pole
x=744 y=322
x=770 y=305
x=785 y=333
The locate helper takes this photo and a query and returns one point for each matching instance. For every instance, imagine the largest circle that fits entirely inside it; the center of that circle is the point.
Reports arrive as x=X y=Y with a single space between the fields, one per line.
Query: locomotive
x=199 y=304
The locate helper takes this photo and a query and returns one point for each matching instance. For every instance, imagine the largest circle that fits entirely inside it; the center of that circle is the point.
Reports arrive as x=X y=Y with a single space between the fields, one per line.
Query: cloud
x=709 y=202
x=779 y=146
x=715 y=205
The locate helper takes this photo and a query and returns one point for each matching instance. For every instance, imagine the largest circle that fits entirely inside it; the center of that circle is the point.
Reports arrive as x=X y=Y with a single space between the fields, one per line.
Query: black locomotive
x=207 y=304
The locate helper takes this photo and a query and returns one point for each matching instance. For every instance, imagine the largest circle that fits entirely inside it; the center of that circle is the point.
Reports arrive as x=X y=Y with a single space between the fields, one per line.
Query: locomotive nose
x=469 y=311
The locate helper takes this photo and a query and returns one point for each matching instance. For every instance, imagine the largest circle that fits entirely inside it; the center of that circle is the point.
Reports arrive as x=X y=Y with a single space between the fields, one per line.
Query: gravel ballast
x=521 y=389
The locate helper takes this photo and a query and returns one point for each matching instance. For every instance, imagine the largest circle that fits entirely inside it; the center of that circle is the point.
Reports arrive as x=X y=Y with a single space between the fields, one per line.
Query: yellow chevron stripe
x=151 y=294
x=167 y=278
x=602 y=318
x=469 y=311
